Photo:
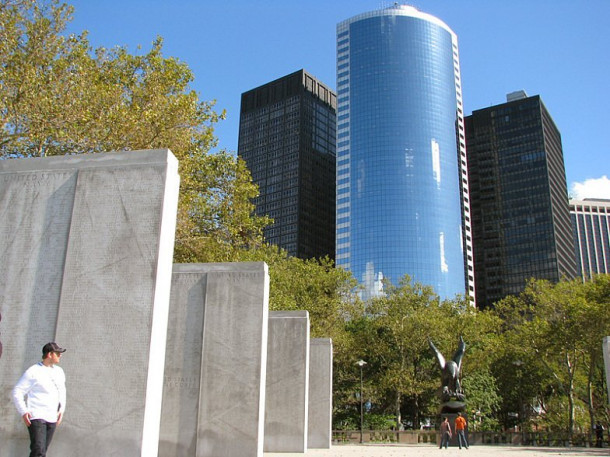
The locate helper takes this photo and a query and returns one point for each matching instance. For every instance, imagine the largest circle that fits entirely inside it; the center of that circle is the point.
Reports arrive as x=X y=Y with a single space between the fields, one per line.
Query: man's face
x=55 y=357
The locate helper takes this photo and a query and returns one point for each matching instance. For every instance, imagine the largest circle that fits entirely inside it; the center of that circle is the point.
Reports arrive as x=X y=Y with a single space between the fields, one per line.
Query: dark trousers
x=461 y=439
x=41 y=434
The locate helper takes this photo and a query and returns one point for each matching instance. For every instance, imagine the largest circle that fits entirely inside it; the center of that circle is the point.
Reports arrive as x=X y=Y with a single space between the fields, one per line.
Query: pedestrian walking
x=40 y=398
x=599 y=435
x=445 y=433
x=460 y=427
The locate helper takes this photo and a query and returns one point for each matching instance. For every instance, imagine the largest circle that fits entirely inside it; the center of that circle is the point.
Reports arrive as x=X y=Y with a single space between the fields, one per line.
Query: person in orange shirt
x=460 y=426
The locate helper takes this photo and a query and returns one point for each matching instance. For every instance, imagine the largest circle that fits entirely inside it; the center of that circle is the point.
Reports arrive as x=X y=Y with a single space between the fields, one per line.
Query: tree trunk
x=590 y=405
x=571 y=369
x=571 y=413
x=398 y=415
x=416 y=421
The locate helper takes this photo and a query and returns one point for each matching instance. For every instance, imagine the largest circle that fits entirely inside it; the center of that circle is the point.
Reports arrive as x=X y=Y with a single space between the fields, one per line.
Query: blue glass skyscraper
x=402 y=183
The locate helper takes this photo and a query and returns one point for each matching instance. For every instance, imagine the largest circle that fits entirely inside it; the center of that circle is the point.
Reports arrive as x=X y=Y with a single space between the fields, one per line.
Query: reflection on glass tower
x=402 y=185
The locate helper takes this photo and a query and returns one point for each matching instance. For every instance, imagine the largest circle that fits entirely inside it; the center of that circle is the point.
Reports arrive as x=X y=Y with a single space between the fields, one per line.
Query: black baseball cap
x=51 y=347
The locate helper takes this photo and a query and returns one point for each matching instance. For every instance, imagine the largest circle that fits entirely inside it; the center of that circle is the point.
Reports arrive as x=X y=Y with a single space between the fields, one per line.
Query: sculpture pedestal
x=452 y=407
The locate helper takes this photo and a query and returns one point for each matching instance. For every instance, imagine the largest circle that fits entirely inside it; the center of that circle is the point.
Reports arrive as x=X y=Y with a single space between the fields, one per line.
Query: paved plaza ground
x=389 y=450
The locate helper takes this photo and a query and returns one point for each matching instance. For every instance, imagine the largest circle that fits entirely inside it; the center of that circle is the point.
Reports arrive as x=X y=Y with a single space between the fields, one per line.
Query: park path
x=389 y=450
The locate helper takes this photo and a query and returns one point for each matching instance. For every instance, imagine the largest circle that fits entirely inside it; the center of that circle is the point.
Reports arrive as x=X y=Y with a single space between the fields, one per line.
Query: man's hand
x=60 y=416
x=26 y=419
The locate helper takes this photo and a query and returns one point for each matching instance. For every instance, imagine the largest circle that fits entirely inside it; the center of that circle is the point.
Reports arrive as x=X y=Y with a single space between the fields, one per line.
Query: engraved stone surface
x=286 y=403
x=320 y=393
x=214 y=392
x=179 y=414
x=87 y=245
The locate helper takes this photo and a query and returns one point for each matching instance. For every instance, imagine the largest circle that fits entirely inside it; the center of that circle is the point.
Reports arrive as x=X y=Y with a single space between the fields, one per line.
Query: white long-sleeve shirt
x=41 y=391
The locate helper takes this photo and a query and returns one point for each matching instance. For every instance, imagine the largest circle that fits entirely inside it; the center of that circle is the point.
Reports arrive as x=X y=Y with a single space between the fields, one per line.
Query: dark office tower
x=287 y=138
x=519 y=203
x=402 y=184
x=591 y=224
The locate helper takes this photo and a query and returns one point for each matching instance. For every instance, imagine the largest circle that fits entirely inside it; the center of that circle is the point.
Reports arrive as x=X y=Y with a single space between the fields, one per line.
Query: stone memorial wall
x=320 y=393
x=286 y=403
x=87 y=245
x=214 y=392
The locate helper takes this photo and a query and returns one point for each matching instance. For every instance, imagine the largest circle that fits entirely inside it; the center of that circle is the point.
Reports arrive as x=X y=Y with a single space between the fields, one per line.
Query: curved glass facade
x=399 y=151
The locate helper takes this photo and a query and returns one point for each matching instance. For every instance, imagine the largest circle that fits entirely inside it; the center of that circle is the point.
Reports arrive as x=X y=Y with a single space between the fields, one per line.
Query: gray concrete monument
x=214 y=389
x=87 y=245
x=606 y=352
x=320 y=393
x=287 y=400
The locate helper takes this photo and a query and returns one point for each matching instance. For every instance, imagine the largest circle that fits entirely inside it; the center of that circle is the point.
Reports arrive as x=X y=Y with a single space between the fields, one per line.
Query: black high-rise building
x=521 y=224
x=287 y=138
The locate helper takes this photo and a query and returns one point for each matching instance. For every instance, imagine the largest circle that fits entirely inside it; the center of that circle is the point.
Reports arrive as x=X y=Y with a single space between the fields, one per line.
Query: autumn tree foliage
x=59 y=96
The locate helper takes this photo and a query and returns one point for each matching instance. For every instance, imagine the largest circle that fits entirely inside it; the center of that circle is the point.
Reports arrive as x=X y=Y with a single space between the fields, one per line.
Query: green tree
x=597 y=318
x=402 y=321
x=58 y=95
x=557 y=334
x=346 y=374
x=402 y=376
x=554 y=328
x=482 y=400
x=484 y=343
x=329 y=295
x=313 y=285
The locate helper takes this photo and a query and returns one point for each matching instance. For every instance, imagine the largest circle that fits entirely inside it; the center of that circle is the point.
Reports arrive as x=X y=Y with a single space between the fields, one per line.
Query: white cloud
x=591 y=188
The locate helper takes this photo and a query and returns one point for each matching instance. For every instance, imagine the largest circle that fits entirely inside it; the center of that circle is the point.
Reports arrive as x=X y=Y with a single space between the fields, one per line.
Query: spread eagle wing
x=457 y=357
x=439 y=356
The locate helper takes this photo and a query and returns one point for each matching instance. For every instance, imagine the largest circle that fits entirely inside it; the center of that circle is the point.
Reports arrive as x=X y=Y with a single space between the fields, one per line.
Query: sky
x=558 y=49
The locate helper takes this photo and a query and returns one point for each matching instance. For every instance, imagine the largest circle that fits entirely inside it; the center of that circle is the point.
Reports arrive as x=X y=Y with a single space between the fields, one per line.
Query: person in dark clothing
x=445 y=433
x=599 y=435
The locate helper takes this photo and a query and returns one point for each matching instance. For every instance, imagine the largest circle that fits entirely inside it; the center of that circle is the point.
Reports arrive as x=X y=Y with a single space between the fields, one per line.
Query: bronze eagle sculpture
x=450 y=372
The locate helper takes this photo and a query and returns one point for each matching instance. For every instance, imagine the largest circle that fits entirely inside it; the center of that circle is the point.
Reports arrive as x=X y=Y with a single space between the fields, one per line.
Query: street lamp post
x=361 y=363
